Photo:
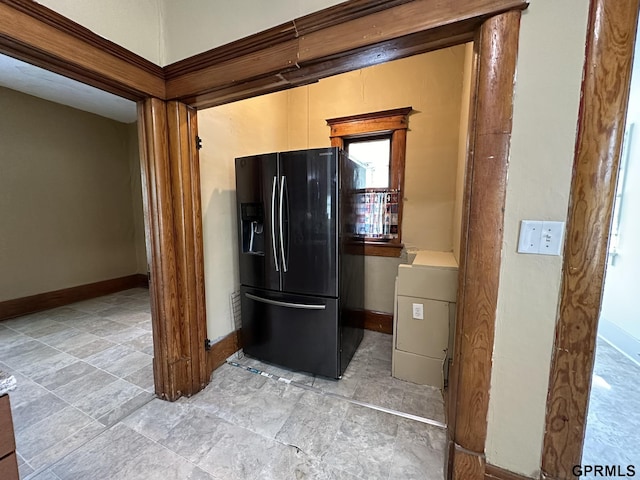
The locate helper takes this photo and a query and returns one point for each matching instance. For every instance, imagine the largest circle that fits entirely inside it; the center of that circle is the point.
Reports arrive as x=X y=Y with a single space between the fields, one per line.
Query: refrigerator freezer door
x=257 y=197
x=309 y=243
x=294 y=331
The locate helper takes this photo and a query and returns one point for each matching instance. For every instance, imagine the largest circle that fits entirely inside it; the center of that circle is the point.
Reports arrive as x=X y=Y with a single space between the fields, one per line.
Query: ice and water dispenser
x=252 y=224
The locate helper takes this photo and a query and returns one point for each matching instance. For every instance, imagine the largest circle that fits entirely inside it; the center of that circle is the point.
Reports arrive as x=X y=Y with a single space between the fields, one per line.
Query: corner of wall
x=136 y=198
x=462 y=149
x=162 y=31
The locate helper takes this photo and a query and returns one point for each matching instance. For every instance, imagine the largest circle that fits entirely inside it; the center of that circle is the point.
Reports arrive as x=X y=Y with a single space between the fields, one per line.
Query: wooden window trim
x=380 y=249
x=394 y=123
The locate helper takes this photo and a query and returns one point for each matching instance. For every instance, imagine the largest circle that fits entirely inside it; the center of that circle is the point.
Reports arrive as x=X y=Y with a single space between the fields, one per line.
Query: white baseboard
x=620 y=339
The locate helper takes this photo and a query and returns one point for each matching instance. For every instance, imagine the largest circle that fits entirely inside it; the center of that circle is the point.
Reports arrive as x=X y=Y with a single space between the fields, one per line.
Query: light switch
x=418 y=311
x=542 y=238
x=530 y=236
x=551 y=241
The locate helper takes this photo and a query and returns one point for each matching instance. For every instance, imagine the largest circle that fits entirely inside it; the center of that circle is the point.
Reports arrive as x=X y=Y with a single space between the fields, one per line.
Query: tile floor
x=612 y=436
x=85 y=408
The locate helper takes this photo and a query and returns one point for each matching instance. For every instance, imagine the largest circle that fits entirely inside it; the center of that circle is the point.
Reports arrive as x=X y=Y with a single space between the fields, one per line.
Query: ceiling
x=35 y=81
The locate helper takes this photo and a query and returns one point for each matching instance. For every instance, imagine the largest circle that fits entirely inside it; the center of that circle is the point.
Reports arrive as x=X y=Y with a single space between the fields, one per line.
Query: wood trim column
x=171 y=186
x=605 y=90
x=158 y=214
x=496 y=49
x=454 y=370
x=185 y=180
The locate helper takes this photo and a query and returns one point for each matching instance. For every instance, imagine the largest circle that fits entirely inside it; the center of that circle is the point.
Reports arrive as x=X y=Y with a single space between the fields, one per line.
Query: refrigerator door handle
x=283 y=184
x=303 y=306
x=273 y=220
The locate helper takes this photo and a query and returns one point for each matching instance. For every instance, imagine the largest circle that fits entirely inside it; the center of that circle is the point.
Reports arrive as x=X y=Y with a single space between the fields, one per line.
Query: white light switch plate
x=418 y=311
x=530 y=236
x=551 y=241
x=542 y=238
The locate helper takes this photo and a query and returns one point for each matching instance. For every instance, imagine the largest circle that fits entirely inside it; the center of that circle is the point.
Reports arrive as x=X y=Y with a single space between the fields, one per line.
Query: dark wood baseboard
x=378 y=321
x=223 y=349
x=227 y=346
x=58 y=298
x=495 y=473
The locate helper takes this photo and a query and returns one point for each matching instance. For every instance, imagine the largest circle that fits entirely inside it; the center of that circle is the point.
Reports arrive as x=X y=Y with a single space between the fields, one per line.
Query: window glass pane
x=374 y=156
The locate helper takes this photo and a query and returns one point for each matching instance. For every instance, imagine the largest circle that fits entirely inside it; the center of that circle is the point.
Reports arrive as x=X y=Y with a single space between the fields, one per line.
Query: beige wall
x=133 y=151
x=462 y=149
x=65 y=197
x=547 y=93
x=243 y=128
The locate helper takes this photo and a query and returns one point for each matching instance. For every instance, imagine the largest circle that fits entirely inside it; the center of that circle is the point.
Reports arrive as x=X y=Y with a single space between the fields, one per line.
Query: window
x=377 y=141
x=614 y=242
x=375 y=156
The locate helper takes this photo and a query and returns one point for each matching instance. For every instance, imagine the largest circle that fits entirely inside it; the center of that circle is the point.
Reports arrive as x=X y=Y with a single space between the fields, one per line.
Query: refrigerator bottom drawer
x=295 y=331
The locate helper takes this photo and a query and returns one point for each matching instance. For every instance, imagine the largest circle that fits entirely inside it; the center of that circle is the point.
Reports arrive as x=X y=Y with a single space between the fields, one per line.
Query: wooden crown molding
x=345 y=37
x=338 y=39
x=353 y=60
x=60 y=22
x=405 y=19
x=239 y=48
x=264 y=57
x=36 y=34
x=381 y=52
x=282 y=33
x=342 y=13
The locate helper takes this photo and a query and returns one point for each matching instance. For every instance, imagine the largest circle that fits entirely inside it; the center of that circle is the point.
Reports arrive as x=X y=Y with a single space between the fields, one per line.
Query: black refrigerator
x=301 y=266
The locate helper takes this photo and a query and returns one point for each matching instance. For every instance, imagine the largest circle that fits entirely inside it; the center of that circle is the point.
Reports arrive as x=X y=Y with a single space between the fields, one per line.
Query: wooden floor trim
x=468 y=465
x=496 y=473
x=58 y=298
x=223 y=349
x=378 y=321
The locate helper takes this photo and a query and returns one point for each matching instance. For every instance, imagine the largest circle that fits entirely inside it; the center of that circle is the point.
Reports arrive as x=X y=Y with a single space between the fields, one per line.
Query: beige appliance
x=424 y=318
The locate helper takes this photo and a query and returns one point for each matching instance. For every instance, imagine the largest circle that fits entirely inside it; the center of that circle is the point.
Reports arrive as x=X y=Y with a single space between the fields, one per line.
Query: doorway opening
x=75 y=327
x=437 y=86
x=610 y=436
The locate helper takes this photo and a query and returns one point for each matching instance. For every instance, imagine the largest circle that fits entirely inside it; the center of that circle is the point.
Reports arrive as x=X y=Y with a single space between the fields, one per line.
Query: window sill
x=380 y=249
x=374 y=249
